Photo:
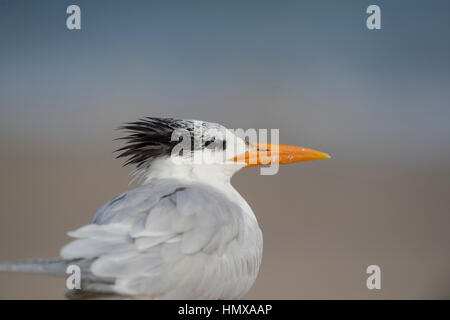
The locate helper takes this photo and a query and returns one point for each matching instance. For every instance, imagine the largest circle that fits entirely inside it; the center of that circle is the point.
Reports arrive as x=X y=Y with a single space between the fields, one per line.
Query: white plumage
x=172 y=239
x=185 y=233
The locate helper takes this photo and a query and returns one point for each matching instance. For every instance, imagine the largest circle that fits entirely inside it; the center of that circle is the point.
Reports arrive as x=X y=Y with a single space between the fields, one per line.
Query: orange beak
x=268 y=154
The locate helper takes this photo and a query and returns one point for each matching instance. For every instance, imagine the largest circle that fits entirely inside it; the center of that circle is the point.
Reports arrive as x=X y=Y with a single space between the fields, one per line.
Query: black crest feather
x=149 y=138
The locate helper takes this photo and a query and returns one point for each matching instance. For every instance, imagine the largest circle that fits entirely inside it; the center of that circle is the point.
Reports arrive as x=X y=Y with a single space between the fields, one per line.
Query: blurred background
x=377 y=101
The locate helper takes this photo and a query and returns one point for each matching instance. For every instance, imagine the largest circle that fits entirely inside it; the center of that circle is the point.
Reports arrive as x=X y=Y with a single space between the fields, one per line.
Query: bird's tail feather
x=54 y=267
x=92 y=287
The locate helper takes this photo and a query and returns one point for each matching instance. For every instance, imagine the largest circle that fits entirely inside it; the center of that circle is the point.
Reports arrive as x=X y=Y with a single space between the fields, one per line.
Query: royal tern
x=185 y=232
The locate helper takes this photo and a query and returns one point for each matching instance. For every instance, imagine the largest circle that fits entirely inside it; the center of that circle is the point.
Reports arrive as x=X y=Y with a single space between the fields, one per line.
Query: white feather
x=186 y=238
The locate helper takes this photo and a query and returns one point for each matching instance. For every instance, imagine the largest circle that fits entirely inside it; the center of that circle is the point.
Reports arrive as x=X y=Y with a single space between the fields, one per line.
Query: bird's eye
x=207 y=143
x=216 y=144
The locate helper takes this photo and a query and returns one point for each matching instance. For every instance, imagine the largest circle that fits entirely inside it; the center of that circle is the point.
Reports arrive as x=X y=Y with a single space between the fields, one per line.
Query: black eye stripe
x=222 y=143
x=207 y=143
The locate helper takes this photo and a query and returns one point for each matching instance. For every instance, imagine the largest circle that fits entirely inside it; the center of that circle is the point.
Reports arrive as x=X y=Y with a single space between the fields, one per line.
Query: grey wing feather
x=155 y=241
x=153 y=238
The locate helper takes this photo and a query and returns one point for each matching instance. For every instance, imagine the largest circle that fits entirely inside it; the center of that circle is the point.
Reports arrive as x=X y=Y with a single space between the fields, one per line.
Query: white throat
x=207 y=173
x=216 y=175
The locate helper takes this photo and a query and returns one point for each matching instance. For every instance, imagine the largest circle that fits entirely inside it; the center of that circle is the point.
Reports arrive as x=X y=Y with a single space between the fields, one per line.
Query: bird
x=185 y=232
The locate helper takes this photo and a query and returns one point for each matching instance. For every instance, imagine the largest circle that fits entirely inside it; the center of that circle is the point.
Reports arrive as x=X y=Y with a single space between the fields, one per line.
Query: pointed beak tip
x=318 y=155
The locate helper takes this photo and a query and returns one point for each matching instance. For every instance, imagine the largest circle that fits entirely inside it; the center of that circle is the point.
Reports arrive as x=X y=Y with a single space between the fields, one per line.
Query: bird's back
x=171 y=239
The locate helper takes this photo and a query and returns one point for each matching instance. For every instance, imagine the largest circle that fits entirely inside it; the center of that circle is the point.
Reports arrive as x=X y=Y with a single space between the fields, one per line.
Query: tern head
x=171 y=146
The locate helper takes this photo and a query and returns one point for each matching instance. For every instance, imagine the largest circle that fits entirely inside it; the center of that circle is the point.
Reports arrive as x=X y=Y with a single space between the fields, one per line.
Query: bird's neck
x=215 y=174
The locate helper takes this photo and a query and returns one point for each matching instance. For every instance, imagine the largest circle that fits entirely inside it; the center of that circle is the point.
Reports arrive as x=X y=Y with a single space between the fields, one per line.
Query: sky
x=310 y=68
